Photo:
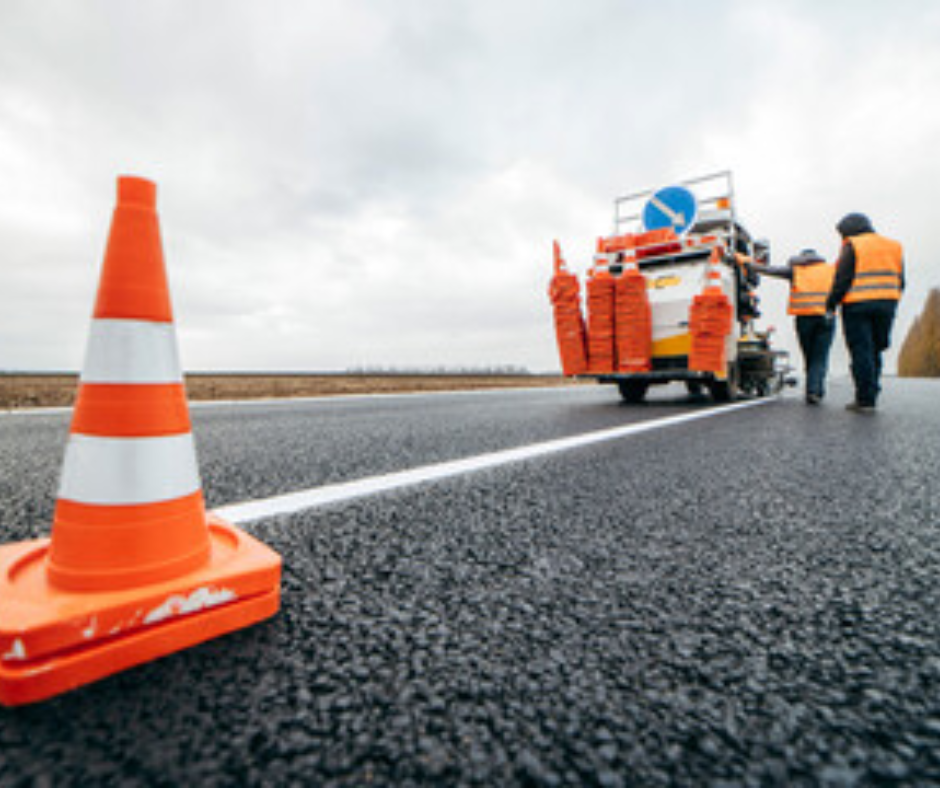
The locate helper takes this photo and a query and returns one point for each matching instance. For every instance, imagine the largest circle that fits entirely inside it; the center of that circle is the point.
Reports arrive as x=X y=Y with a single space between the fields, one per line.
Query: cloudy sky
x=347 y=183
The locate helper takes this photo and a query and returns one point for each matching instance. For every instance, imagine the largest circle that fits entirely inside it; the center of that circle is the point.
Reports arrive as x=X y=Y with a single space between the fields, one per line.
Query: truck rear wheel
x=633 y=391
x=725 y=390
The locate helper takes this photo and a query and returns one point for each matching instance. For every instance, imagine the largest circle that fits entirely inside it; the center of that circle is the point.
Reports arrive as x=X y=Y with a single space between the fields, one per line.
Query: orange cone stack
x=135 y=568
x=633 y=320
x=710 y=322
x=602 y=356
x=657 y=242
x=565 y=295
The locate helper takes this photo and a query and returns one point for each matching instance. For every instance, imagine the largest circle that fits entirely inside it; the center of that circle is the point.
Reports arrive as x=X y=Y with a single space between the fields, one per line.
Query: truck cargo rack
x=715 y=191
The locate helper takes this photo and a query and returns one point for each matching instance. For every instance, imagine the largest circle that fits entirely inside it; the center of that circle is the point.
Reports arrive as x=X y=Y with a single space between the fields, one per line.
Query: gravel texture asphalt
x=745 y=600
x=254 y=450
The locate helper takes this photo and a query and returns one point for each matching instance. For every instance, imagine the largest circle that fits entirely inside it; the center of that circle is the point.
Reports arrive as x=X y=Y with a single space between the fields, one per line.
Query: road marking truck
x=670 y=296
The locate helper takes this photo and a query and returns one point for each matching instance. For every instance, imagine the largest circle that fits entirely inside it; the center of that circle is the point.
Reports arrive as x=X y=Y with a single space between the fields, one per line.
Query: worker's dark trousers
x=815 y=333
x=867 y=328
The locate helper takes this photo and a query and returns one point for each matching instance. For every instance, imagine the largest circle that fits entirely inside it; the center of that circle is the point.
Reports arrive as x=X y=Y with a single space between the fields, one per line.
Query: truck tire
x=633 y=391
x=725 y=390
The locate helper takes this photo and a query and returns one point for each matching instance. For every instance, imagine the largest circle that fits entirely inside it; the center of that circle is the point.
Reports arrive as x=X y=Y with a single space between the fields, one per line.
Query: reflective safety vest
x=810 y=288
x=879 y=264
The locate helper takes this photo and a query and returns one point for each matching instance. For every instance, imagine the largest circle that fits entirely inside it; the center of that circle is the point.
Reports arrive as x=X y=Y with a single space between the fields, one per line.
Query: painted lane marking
x=360 y=488
x=328 y=398
x=200 y=404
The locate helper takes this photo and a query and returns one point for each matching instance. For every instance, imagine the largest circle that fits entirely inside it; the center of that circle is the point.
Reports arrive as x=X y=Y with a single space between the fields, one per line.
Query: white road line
x=52 y=411
x=200 y=404
x=360 y=488
x=387 y=395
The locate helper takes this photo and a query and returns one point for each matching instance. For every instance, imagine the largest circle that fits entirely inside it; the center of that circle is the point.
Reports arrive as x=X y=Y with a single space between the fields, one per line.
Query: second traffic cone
x=710 y=323
x=602 y=352
x=633 y=321
x=135 y=568
x=565 y=295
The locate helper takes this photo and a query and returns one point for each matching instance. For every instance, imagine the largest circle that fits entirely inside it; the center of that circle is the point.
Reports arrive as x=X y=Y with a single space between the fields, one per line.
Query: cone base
x=52 y=641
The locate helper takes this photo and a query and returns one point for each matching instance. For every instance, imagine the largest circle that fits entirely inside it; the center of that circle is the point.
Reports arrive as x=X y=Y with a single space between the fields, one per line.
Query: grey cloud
x=365 y=182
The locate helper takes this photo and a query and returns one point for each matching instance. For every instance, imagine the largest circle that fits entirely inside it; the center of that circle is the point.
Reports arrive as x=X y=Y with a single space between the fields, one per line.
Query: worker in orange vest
x=810 y=281
x=868 y=284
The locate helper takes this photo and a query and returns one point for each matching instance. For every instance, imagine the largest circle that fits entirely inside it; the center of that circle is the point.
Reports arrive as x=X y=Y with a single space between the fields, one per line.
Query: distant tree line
x=490 y=369
x=920 y=353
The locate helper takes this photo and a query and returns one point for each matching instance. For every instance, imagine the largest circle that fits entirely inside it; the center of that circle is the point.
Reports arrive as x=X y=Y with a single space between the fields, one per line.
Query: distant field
x=49 y=390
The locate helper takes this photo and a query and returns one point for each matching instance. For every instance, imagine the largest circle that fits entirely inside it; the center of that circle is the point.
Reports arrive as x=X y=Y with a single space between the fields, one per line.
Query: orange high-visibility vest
x=879 y=263
x=810 y=288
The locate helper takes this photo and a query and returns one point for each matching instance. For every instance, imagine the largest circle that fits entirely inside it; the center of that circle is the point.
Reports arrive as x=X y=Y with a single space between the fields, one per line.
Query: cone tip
x=137 y=191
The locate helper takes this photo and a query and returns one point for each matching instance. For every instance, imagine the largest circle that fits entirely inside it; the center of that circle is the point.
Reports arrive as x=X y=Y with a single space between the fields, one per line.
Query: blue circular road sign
x=674 y=207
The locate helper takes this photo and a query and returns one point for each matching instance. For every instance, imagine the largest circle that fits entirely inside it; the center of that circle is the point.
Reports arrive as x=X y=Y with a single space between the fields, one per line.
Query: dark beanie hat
x=806 y=257
x=854 y=224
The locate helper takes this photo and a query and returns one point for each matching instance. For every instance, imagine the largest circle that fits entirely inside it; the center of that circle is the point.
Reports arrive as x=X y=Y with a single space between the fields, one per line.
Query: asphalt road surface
x=745 y=599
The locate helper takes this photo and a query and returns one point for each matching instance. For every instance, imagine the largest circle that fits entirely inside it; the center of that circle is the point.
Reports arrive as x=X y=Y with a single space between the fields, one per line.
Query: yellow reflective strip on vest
x=862 y=288
x=871 y=274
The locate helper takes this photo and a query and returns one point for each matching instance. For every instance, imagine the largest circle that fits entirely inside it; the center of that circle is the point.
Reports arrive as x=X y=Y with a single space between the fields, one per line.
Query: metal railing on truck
x=714 y=195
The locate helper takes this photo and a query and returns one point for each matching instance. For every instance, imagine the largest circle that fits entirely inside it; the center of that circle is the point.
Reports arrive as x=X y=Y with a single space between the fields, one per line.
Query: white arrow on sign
x=676 y=218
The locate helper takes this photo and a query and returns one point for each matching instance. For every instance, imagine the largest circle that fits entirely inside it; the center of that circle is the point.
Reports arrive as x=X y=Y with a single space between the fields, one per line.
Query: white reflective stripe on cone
x=129 y=470
x=131 y=351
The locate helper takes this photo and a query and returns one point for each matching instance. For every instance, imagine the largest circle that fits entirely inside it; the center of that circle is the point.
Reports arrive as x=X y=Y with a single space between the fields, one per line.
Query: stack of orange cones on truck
x=618 y=243
x=710 y=323
x=634 y=321
x=135 y=568
x=565 y=294
x=602 y=355
x=657 y=242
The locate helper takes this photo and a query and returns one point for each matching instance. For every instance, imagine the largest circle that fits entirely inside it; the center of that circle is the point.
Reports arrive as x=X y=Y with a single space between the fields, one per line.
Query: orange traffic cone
x=565 y=295
x=710 y=323
x=602 y=352
x=633 y=321
x=135 y=568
